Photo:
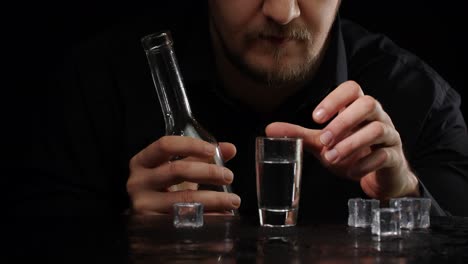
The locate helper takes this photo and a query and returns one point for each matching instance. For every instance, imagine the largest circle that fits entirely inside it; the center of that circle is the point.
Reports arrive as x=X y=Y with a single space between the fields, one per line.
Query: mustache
x=289 y=31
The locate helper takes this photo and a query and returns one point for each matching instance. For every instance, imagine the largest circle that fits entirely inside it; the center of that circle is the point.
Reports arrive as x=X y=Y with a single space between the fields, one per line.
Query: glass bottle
x=174 y=102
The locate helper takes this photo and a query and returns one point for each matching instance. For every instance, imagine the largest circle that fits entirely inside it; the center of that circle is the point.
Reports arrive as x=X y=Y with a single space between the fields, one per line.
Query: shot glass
x=278 y=175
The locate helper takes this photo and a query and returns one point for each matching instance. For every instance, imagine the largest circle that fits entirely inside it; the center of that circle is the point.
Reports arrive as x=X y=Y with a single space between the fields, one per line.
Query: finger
x=179 y=171
x=162 y=202
x=309 y=136
x=374 y=133
x=228 y=150
x=341 y=97
x=362 y=110
x=380 y=159
x=167 y=147
x=342 y=166
x=384 y=176
x=219 y=213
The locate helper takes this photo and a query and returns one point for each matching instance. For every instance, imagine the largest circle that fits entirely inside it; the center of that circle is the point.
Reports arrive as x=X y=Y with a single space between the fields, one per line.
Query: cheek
x=233 y=17
x=319 y=14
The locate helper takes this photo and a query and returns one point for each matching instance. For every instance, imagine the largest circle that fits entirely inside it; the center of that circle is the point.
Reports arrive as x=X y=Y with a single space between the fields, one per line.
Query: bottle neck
x=169 y=85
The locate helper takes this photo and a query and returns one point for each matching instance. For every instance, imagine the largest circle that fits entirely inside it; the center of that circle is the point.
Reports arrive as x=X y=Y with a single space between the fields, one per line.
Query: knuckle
x=218 y=204
x=385 y=154
x=213 y=171
x=135 y=161
x=346 y=147
x=397 y=159
x=194 y=144
x=355 y=87
x=223 y=203
x=341 y=123
x=176 y=168
x=164 y=144
x=396 y=140
x=226 y=202
x=140 y=205
x=378 y=129
x=131 y=185
x=186 y=196
x=369 y=103
x=387 y=157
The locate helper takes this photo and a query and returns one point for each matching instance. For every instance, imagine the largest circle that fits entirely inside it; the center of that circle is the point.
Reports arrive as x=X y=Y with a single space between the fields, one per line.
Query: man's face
x=274 y=41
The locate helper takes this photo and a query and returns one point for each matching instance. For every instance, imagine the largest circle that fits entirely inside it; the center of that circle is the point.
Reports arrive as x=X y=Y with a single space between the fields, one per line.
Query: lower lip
x=278 y=41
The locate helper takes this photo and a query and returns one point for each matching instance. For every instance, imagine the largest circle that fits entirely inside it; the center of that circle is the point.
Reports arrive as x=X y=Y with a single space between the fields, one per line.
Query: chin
x=284 y=69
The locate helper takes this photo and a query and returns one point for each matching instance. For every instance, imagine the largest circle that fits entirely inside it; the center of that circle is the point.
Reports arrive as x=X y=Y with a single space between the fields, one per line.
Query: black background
x=38 y=33
x=35 y=36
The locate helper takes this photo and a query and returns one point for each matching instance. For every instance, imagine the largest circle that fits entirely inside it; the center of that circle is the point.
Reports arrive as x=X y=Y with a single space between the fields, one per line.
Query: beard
x=279 y=72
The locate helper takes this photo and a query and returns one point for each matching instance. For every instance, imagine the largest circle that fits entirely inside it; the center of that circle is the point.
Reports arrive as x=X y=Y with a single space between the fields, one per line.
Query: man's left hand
x=360 y=143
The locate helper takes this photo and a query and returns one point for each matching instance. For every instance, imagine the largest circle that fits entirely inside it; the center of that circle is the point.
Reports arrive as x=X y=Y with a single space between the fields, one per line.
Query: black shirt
x=103 y=109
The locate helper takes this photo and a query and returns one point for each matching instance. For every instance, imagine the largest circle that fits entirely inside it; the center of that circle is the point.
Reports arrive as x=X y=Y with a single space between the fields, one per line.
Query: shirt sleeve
x=436 y=210
x=441 y=159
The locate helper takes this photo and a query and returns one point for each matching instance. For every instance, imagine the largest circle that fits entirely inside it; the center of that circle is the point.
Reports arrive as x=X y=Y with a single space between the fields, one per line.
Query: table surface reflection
x=153 y=239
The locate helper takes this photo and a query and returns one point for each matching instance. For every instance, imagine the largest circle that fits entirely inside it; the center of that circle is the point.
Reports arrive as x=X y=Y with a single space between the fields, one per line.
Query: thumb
x=310 y=137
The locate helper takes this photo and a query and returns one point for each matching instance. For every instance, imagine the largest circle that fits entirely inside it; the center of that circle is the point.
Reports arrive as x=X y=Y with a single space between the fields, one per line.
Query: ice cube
x=414 y=211
x=360 y=211
x=188 y=215
x=386 y=222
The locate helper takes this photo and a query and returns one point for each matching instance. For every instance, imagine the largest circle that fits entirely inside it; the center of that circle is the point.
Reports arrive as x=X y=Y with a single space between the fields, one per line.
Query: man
x=376 y=121
x=269 y=51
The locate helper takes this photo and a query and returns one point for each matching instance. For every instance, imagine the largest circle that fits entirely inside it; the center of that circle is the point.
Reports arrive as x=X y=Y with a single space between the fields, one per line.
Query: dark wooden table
x=100 y=238
x=153 y=239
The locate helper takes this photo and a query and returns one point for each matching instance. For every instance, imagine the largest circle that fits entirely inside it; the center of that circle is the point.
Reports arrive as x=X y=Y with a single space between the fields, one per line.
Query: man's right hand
x=152 y=172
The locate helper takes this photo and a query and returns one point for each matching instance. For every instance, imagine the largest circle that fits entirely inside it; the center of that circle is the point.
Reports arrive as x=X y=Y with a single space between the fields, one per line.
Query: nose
x=281 y=11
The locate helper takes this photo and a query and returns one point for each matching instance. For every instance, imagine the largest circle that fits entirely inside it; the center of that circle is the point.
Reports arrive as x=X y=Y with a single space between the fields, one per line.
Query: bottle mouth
x=155 y=41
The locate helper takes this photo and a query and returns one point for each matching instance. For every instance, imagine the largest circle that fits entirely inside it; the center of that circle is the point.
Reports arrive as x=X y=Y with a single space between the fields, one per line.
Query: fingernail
x=331 y=155
x=228 y=175
x=210 y=149
x=326 y=138
x=235 y=200
x=319 y=114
